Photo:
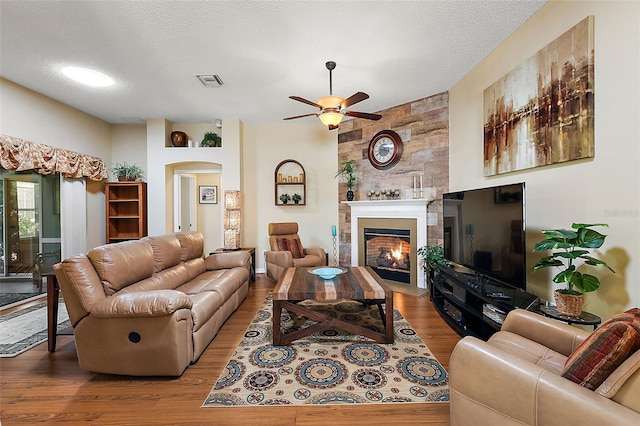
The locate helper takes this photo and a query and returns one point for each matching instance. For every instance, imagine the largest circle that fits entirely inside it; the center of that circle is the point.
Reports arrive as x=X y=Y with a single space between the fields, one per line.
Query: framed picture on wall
x=208 y=194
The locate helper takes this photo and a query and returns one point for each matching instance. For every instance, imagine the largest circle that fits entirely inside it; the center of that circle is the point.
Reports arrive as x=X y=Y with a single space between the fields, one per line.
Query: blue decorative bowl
x=327 y=273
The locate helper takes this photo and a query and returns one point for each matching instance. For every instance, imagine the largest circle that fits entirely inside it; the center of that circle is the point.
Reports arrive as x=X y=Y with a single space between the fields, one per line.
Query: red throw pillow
x=283 y=244
x=291 y=244
x=604 y=350
x=296 y=248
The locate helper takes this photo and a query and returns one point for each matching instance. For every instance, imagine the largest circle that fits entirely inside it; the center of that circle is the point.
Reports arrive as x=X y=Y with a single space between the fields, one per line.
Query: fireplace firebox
x=394 y=215
x=388 y=253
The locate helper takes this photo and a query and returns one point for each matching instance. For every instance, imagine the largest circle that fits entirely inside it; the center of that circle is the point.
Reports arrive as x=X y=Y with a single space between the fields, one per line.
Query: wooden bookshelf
x=126 y=211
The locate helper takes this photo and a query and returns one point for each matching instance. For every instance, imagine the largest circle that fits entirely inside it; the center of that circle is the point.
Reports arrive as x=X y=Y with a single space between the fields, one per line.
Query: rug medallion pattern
x=330 y=367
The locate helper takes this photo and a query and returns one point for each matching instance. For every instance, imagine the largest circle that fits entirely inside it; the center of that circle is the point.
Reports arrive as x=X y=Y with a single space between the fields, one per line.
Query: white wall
x=605 y=189
x=31 y=116
x=265 y=146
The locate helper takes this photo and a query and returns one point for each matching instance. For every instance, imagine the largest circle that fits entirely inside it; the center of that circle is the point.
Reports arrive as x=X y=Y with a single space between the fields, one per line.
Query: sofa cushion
x=166 y=251
x=121 y=264
x=529 y=351
x=604 y=350
x=191 y=243
x=205 y=305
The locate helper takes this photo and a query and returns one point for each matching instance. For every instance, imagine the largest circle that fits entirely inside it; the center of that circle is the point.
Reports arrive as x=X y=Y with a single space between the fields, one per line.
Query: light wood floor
x=42 y=387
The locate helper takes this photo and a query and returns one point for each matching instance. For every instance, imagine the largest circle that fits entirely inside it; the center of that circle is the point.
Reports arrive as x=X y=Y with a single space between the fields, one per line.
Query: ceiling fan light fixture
x=330 y=101
x=331 y=118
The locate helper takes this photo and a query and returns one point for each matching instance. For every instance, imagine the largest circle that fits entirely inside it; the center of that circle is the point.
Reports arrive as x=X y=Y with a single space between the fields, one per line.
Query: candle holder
x=334 y=233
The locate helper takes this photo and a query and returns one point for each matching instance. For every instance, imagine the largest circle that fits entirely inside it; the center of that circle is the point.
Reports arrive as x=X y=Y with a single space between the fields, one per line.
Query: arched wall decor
x=18 y=154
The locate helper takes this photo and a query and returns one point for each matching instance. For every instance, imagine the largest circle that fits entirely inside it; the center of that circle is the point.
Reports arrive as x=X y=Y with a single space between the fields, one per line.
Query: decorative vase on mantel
x=349 y=195
x=568 y=304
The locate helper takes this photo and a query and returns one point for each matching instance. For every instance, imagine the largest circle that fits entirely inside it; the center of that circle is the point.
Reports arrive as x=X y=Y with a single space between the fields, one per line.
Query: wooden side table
x=252 y=252
x=53 y=295
x=585 y=318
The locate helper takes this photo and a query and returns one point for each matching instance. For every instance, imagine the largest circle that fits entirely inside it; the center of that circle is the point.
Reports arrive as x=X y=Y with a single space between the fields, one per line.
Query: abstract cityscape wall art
x=542 y=112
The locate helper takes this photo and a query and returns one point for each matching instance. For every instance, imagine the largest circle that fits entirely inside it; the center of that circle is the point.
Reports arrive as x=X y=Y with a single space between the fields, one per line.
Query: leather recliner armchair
x=287 y=251
x=515 y=378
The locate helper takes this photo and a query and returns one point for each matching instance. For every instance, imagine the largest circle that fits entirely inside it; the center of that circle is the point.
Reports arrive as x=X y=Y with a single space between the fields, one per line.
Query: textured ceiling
x=264 y=51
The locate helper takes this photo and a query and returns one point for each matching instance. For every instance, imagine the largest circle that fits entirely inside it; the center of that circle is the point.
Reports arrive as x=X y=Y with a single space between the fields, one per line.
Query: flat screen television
x=484 y=230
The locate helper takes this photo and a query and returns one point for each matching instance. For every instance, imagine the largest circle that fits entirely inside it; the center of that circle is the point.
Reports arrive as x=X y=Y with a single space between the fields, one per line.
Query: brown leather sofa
x=287 y=251
x=150 y=307
x=515 y=379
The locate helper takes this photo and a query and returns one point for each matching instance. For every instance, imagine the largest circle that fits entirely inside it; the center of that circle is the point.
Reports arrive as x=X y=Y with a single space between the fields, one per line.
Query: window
x=28 y=226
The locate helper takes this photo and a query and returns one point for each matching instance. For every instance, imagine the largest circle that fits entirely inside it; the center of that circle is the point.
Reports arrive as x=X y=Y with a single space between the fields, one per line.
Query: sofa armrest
x=228 y=260
x=548 y=332
x=280 y=258
x=490 y=386
x=143 y=304
x=317 y=251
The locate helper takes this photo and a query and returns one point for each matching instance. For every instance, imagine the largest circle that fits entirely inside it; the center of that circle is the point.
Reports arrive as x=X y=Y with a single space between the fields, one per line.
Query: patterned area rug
x=330 y=367
x=23 y=329
x=9 y=298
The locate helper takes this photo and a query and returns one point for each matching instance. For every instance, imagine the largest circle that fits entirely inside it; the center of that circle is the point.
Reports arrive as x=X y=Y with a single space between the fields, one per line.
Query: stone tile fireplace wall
x=423 y=126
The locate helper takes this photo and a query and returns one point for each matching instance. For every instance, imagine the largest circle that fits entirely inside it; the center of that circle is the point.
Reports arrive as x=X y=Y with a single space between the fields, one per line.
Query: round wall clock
x=385 y=149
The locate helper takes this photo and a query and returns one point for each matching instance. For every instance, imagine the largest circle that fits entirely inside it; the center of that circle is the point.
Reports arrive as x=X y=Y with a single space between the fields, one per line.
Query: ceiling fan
x=333 y=108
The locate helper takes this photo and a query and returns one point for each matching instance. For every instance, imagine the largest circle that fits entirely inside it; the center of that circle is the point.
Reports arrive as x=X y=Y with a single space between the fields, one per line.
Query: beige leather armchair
x=287 y=250
x=515 y=378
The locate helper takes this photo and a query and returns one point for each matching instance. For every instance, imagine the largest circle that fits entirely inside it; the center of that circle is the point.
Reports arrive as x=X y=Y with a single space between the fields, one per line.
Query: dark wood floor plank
x=39 y=387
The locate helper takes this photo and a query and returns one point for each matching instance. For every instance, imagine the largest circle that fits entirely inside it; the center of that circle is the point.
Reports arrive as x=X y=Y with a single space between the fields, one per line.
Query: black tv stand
x=475 y=304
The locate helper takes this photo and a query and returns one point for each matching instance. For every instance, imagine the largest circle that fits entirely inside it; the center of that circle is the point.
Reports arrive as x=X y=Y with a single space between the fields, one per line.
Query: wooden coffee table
x=359 y=283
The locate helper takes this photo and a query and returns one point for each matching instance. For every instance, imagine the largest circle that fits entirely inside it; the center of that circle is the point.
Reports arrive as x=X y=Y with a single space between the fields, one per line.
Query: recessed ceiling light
x=88 y=77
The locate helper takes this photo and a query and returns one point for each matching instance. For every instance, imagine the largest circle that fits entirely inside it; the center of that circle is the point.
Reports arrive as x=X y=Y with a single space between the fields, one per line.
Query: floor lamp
x=232 y=216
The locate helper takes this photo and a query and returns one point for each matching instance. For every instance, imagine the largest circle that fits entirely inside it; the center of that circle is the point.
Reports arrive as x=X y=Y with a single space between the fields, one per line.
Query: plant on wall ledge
x=349 y=176
x=285 y=198
x=211 y=139
x=296 y=198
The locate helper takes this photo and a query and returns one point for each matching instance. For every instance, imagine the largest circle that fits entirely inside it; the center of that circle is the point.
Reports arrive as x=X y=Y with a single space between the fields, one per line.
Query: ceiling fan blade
x=300 y=116
x=305 y=101
x=366 y=115
x=354 y=99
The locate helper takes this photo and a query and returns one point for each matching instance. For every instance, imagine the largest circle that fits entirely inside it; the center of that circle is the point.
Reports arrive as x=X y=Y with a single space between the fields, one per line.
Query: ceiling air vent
x=210 y=80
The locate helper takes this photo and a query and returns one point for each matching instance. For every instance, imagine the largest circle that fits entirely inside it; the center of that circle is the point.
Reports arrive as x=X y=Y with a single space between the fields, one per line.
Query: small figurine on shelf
x=296 y=198
x=285 y=198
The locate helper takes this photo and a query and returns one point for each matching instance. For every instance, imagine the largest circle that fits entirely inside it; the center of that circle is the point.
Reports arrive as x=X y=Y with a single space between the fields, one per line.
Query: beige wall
x=605 y=189
x=128 y=143
x=316 y=148
x=31 y=116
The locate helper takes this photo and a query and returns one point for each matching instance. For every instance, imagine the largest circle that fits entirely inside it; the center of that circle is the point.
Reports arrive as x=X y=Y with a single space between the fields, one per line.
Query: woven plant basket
x=568 y=304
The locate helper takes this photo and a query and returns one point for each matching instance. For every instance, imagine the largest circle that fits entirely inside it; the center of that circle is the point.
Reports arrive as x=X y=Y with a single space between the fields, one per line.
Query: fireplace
x=388 y=252
x=401 y=220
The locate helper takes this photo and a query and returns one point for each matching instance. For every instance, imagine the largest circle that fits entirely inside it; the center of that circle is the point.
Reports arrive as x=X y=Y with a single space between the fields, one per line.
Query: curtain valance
x=17 y=155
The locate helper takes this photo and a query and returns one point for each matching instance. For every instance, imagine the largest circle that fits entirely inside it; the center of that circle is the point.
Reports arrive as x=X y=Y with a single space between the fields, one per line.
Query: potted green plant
x=432 y=257
x=349 y=176
x=296 y=198
x=126 y=172
x=285 y=198
x=571 y=252
x=211 y=139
